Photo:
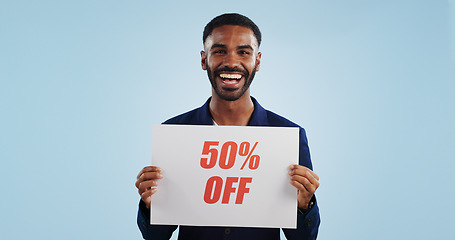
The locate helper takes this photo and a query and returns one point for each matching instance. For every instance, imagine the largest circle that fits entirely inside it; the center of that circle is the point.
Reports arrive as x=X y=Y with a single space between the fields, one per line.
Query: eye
x=244 y=52
x=219 y=51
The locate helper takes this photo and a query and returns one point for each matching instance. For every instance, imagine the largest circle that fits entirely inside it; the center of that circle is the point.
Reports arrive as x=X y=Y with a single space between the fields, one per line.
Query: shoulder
x=279 y=121
x=184 y=118
x=197 y=116
x=275 y=120
x=265 y=117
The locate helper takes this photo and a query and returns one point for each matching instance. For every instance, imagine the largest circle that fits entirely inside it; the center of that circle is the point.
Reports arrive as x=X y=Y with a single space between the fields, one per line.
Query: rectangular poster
x=225 y=176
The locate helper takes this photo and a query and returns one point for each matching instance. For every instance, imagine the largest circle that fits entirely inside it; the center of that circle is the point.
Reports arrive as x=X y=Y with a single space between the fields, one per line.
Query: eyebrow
x=219 y=45
x=245 y=47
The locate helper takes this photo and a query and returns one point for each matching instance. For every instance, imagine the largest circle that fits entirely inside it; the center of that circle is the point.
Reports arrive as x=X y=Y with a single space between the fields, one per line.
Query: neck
x=234 y=113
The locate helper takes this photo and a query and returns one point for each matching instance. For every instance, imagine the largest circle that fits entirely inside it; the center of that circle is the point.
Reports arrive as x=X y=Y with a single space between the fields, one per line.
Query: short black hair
x=231 y=19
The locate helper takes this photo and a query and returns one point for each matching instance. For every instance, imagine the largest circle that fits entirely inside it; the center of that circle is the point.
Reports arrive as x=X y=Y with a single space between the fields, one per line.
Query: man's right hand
x=147 y=181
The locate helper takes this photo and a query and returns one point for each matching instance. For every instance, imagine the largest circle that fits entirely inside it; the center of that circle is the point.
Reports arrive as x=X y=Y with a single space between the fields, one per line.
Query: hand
x=146 y=183
x=306 y=181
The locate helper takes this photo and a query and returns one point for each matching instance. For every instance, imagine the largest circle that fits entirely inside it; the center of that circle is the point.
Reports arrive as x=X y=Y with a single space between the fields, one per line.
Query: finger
x=300 y=187
x=314 y=174
x=147 y=185
x=148 y=169
x=148 y=176
x=308 y=175
x=147 y=196
x=301 y=170
x=305 y=184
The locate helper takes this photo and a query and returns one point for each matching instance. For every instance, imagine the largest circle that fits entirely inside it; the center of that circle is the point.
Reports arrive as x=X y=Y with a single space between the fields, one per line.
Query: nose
x=230 y=60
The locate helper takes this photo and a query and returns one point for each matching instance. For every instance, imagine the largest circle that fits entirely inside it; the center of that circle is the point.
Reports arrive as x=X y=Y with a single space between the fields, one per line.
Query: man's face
x=231 y=59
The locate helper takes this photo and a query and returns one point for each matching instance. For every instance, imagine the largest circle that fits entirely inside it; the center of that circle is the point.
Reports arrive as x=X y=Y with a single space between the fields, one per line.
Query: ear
x=203 y=60
x=258 y=61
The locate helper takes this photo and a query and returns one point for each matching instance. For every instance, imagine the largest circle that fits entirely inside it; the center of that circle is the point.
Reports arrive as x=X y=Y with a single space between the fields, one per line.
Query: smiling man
x=231 y=58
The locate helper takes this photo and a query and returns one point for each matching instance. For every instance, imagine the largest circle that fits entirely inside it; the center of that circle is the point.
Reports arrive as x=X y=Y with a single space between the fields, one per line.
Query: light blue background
x=82 y=83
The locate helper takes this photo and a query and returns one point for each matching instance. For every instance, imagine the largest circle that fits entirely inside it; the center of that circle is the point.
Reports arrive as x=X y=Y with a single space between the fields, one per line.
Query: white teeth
x=231 y=76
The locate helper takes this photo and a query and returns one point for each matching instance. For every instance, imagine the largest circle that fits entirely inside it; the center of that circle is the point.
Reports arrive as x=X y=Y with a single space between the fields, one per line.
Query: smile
x=231 y=76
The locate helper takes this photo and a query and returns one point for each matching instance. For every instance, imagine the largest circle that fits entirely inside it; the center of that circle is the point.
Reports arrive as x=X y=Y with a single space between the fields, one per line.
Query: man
x=231 y=57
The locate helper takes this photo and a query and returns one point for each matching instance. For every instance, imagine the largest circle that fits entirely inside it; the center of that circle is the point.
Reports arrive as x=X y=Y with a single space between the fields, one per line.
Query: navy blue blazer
x=307 y=222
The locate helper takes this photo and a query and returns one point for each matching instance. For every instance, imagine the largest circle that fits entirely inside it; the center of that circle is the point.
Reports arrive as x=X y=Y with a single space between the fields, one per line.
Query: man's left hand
x=306 y=181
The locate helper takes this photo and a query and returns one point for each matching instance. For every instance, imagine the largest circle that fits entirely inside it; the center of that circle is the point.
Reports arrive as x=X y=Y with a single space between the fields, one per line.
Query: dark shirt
x=307 y=221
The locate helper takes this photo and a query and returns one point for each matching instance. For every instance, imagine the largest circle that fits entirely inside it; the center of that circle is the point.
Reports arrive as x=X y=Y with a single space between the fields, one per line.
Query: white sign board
x=225 y=176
